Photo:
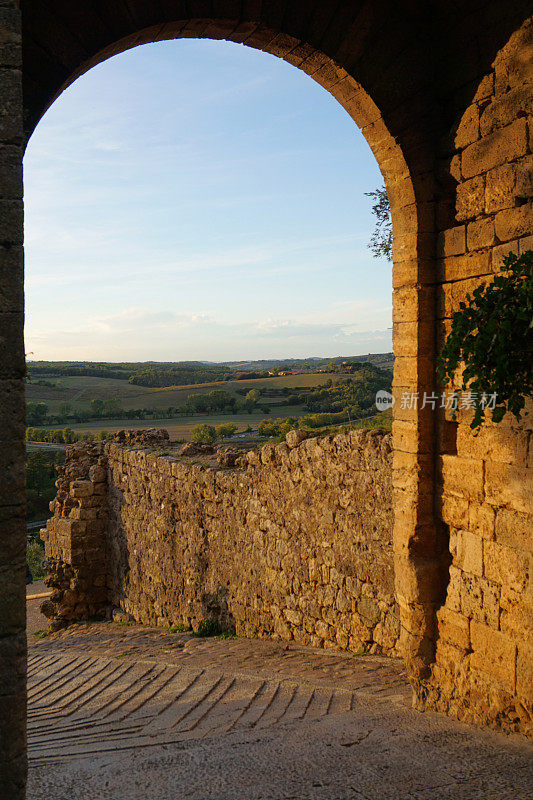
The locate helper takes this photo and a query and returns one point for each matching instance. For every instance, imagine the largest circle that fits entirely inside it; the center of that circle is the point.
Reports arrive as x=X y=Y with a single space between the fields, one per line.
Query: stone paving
x=118 y=712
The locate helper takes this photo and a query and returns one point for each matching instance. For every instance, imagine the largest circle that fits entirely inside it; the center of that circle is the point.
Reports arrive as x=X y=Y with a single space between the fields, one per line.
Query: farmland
x=89 y=403
x=80 y=390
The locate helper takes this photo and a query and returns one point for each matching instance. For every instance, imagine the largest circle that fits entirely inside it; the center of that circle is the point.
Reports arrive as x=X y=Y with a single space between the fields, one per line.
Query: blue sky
x=200 y=200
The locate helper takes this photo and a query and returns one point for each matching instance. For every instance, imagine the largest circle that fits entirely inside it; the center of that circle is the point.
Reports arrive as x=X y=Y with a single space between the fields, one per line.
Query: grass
x=211 y=627
x=180 y=627
x=42 y=634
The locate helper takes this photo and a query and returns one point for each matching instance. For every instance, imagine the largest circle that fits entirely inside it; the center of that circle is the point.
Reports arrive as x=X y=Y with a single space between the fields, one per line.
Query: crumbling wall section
x=75 y=539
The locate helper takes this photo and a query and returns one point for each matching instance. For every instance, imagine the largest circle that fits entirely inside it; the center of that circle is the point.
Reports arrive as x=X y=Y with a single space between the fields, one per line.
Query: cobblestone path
x=125 y=712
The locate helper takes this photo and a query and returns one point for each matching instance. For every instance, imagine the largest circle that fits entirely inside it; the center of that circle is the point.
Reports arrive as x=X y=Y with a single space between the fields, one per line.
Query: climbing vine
x=492 y=336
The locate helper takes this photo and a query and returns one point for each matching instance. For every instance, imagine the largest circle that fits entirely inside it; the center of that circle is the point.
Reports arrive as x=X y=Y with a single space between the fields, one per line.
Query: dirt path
x=35 y=621
x=122 y=712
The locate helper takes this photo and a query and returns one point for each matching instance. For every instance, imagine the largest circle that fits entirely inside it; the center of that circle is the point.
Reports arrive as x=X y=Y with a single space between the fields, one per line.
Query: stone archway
x=405 y=72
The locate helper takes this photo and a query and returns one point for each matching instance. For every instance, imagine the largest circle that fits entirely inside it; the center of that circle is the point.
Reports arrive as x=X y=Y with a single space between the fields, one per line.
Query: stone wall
x=296 y=543
x=483 y=668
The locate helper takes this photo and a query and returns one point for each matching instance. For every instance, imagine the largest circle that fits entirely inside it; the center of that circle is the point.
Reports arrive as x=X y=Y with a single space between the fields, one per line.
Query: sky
x=200 y=200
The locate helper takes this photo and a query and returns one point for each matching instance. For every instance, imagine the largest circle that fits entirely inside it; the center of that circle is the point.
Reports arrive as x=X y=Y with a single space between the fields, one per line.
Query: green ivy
x=492 y=334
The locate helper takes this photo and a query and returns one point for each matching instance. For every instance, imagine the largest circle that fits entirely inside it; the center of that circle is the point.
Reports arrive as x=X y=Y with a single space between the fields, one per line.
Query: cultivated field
x=180 y=427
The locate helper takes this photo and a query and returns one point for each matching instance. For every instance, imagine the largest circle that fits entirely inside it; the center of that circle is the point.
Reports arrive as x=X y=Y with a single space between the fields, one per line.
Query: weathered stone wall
x=296 y=545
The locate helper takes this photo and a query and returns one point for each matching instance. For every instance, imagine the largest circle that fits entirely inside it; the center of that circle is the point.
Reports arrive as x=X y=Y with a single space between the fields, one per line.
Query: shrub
x=225 y=429
x=205 y=434
x=35 y=558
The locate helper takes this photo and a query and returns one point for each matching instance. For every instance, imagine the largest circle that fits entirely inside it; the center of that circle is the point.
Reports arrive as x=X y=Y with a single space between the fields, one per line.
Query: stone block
x=417 y=582
x=409 y=437
x=505 y=109
x=12 y=364
x=454 y=510
x=524 y=245
x=497 y=148
x=470 y=265
x=506 y=485
x=453 y=628
x=453 y=593
x=11 y=118
x=294 y=438
x=524 y=673
x=13 y=536
x=462 y=477
x=452 y=242
x=11 y=275
x=493 y=443
x=514 y=529
x=81 y=489
x=468 y=128
x=514 y=222
x=500 y=188
x=470 y=198
x=469 y=553
x=480 y=233
x=506 y=566
x=12 y=412
x=494 y=654
x=485 y=88
x=12 y=598
x=411 y=304
x=481 y=520
x=97 y=474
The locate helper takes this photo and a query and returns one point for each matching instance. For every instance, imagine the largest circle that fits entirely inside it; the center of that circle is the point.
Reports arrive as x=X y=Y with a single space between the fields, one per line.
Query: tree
x=250 y=401
x=492 y=335
x=36 y=413
x=97 y=407
x=205 y=434
x=65 y=409
x=381 y=239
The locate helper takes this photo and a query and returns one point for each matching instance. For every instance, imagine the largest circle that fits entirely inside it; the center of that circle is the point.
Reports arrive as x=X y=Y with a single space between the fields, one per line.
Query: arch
x=403 y=70
x=404 y=158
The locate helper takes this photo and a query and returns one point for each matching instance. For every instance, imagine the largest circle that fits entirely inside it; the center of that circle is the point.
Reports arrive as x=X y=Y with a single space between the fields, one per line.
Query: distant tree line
x=52 y=369
x=216 y=401
x=64 y=435
x=177 y=376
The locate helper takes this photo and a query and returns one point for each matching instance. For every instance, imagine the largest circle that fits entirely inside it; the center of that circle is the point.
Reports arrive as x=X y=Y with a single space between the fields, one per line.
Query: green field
x=79 y=391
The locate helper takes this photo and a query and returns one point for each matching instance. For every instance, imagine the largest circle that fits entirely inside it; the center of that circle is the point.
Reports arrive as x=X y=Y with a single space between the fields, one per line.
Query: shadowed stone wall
x=12 y=417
